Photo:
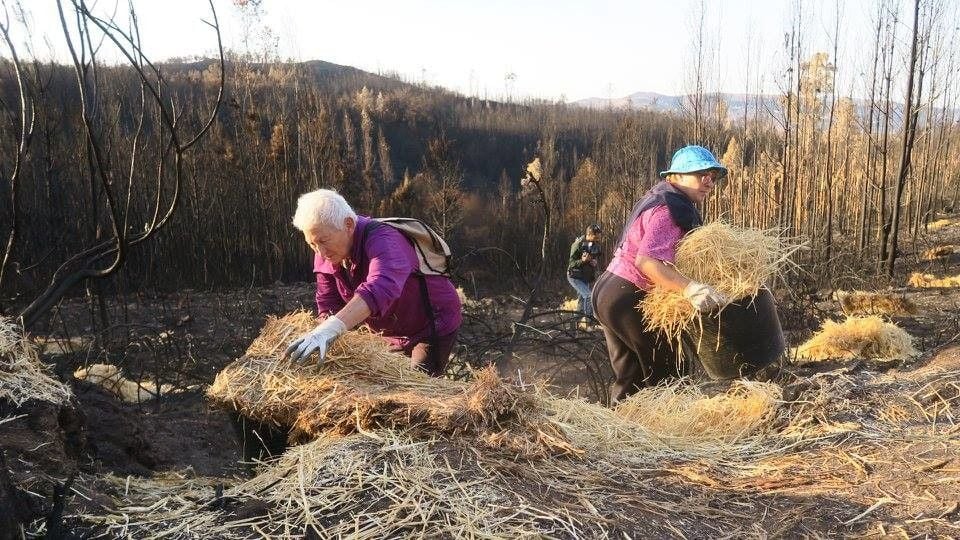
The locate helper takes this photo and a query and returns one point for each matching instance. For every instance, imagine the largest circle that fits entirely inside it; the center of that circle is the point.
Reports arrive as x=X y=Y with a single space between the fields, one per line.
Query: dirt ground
x=902 y=480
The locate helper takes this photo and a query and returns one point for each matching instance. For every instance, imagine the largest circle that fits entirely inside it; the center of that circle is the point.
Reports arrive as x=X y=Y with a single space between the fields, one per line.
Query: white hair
x=323 y=207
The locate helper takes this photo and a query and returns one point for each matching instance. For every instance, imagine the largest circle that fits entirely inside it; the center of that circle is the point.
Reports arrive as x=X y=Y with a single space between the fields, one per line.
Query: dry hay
x=858 y=337
x=874 y=303
x=667 y=462
x=926 y=281
x=363 y=386
x=682 y=412
x=787 y=469
x=466 y=301
x=939 y=252
x=388 y=483
x=570 y=304
x=112 y=379
x=736 y=261
x=940 y=223
x=22 y=376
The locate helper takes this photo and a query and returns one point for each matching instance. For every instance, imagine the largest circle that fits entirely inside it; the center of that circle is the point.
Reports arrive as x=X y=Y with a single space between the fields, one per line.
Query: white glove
x=703 y=297
x=319 y=339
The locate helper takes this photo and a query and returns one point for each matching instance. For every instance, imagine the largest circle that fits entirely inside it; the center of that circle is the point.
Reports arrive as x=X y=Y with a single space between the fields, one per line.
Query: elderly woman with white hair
x=367 y=271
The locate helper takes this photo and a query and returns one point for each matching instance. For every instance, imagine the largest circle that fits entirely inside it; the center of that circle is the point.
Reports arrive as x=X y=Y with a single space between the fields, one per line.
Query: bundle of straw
x=362 y=386
x=874 y=303
x=112 y=379
x=22 y=376
x=938 y=252
x=735 y=261
x=681 y=412
x=858 y=337
x=929 y=281
x=940 y=223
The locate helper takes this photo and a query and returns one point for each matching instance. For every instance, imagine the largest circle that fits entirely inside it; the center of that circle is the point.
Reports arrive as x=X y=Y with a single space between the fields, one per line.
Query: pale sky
x=557 y=49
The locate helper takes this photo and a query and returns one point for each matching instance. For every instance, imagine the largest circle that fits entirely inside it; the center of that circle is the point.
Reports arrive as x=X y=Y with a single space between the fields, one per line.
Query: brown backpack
x=432 y=251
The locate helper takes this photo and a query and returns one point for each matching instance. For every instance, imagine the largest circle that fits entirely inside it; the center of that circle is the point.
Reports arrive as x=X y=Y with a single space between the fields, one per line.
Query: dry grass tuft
x=874 y=303
x=858 y=337
x=734 y=260
x=939 y=252
x=681 y=412
x=928 y=281
x=22 y=376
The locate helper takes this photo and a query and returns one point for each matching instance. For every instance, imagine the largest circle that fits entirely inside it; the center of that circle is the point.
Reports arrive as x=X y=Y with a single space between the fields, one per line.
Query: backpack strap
x=424 y=294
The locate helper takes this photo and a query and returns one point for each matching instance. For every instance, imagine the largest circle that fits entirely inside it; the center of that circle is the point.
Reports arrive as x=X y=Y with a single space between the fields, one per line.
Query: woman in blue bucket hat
x=644 y=257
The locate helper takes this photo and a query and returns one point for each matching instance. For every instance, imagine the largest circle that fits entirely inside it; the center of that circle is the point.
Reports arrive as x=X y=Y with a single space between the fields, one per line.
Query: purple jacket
x=382 y=273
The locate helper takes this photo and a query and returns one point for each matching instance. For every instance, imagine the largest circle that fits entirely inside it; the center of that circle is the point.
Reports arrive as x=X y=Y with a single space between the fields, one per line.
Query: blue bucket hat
x=692 y=159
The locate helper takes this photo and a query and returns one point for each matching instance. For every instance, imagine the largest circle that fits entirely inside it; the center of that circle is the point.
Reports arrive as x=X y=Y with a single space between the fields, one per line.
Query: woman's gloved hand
x=703 y=297
x=319 y=339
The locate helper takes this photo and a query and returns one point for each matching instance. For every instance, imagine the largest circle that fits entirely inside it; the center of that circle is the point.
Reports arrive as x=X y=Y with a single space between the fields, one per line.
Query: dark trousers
x=639 y=357
x=429 y=359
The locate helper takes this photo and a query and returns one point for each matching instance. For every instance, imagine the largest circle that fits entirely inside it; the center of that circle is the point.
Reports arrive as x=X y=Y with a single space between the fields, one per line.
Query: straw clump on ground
x=683 y=412
x=22 y=376
x=736 y=261
x=939 y=252
x=858 y=337
x=112 y=379
x=927 y=281
x=875 y=303
x=940 y=223
x=362 y=386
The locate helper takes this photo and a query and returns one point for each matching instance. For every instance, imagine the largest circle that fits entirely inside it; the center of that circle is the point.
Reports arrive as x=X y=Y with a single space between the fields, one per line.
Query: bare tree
x=112 y=173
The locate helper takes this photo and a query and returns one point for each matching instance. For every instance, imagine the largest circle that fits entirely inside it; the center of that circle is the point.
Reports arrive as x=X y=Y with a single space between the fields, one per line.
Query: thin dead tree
x=911 y=113
x=107 y=174
x=26 y=117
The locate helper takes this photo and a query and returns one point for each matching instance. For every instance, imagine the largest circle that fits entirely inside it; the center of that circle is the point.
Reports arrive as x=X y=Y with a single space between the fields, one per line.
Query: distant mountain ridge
x=736 y=103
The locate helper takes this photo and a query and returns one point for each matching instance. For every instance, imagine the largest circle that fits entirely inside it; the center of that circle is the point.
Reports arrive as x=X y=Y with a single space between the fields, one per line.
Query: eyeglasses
x=712 y=174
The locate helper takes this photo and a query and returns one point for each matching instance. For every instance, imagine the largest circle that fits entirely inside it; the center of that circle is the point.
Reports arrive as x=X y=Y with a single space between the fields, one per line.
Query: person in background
x=368 y=272
x=582 y=269
x=644 y=258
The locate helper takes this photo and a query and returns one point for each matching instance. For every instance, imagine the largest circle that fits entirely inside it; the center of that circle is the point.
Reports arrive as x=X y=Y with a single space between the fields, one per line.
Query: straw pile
x=874 y=303
x=397 y=454
x=735 y=261
x=363 y=386
x=682 y=412
x=22 y=376
x=111 y=378
x=928 y=281
x=938 y=252
x=858 y=337
x=940 y=223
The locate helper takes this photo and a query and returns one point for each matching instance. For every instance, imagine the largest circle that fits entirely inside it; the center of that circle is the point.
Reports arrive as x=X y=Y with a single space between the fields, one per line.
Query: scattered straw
x=569 y=304
x=874 y=303
x=734 y=260
x=927 y=281
x=22 y=376
x=858 y=337
x=939 y=252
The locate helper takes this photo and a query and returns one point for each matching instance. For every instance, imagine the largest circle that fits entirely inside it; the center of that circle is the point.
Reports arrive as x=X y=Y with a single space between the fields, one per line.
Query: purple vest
x=682 y=210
